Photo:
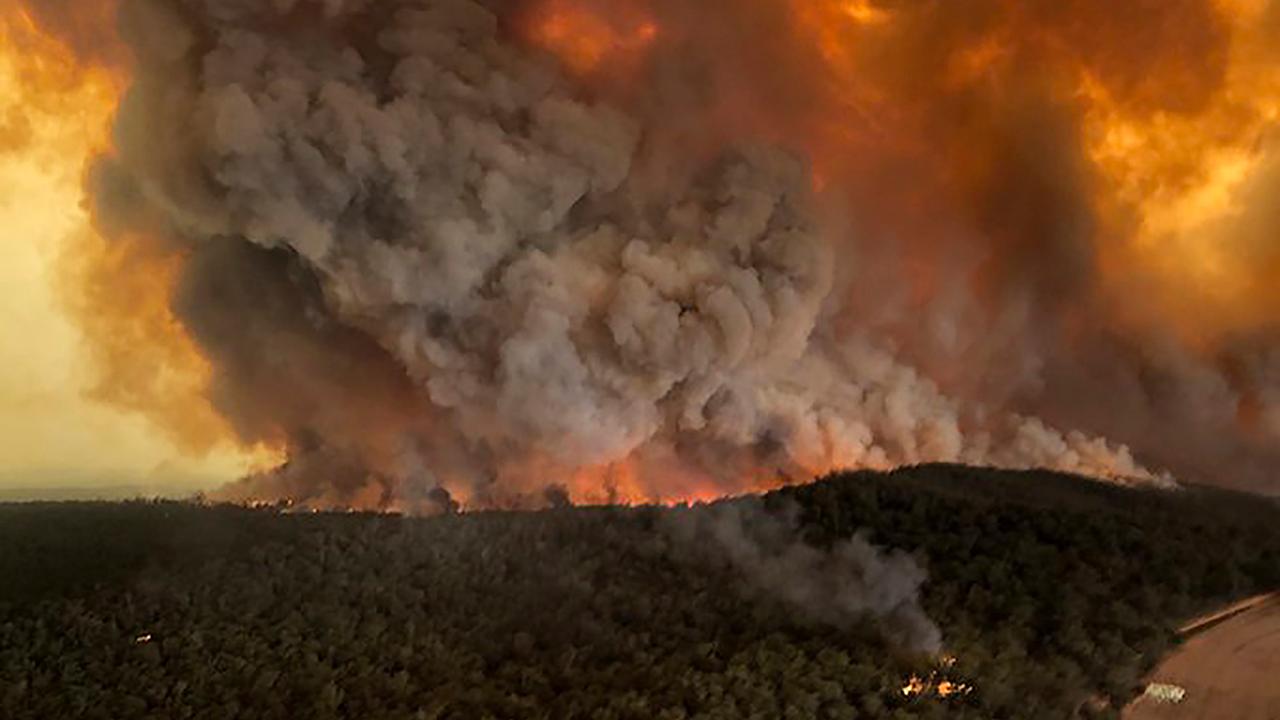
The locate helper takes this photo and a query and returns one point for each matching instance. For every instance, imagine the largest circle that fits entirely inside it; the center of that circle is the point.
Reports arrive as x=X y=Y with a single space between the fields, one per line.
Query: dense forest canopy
x=1054 y=595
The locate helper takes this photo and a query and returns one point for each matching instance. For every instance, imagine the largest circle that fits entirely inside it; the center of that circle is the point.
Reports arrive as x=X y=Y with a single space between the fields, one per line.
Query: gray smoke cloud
x=849 y=582
x=418 y=257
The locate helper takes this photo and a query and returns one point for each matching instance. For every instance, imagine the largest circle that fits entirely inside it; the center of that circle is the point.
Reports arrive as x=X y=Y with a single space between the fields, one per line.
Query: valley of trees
x=1054 y=594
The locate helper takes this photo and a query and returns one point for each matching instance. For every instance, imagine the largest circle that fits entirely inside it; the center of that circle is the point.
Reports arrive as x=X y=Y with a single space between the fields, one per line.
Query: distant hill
x=1054 y=595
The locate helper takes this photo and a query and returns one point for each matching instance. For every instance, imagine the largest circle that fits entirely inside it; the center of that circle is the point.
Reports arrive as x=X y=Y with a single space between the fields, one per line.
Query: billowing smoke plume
x=837 y=586
x=659 y=249
x=417 y=256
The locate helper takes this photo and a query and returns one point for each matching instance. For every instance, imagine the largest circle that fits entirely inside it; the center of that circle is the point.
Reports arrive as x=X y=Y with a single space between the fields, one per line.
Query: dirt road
x=1230 y=671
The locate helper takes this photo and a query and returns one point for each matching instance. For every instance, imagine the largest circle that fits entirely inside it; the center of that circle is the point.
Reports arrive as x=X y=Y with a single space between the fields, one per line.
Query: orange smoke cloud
x=69 y=72
x=53 y=84
x=1197 y=184
x=584 y=37
x=1166 y=110
x=118 y=290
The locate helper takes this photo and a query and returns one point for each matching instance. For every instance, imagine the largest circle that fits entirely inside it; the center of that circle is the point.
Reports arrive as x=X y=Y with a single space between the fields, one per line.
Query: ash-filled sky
x=640 y=250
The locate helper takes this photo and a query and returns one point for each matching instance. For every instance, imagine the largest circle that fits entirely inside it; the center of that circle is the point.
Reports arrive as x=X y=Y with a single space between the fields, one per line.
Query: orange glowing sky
x=51 y=431
x=1186 y=187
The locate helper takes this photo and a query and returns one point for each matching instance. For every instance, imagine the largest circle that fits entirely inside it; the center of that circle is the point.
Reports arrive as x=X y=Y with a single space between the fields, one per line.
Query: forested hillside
x=1053 y=595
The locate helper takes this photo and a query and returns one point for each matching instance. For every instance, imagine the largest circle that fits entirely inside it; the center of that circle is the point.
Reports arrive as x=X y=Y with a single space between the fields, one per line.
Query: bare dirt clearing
x=1230 y=672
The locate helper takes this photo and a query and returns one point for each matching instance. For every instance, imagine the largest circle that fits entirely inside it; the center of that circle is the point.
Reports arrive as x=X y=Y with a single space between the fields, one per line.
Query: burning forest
x=486 y=252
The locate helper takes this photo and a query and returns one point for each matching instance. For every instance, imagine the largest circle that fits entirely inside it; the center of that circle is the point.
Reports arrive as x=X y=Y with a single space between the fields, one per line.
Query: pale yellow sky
x=50 y=433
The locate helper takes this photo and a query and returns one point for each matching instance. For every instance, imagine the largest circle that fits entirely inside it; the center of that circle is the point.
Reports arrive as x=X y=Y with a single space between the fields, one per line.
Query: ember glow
x=937 y=682
x=464 y=251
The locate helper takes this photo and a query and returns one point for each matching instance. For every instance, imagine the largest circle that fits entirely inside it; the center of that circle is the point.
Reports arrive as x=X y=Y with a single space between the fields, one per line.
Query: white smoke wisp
x=420 y=257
